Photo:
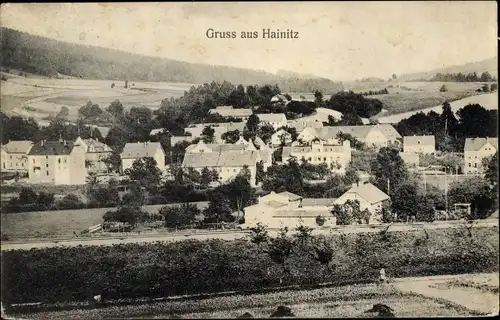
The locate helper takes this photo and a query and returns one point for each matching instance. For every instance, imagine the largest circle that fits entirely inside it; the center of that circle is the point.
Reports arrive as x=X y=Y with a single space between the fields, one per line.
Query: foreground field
x=334 y=302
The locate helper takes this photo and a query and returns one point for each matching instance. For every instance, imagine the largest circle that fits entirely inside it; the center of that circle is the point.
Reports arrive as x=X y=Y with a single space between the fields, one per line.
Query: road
x=224 y=235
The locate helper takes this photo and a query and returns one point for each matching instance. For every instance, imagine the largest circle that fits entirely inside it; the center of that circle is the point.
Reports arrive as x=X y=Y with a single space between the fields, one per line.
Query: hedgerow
x=163 y=269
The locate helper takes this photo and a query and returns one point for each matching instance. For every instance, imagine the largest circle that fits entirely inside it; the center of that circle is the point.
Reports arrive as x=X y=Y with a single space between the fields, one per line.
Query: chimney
x=65 y=143
x=41 y=142
x=145 y=144
x=354 y=185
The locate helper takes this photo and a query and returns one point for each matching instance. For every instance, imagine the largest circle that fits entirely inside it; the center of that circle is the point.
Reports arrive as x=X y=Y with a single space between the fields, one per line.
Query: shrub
x=192 y=267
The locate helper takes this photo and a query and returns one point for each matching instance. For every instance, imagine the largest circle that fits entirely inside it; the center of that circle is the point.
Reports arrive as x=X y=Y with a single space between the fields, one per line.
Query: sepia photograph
x=210 y=160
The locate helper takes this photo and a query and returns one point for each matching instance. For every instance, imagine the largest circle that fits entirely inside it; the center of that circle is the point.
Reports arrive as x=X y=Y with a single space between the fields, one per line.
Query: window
x=47 y=165
x=469 y=164
x=324 y=159
x=33 y=160
x=46 y=157
x=65 y=161
x=11 y=157
x=234 y=170
x=47 y=172
x=418 y=142
x=59 y=160
x=309 y=159
x=319 y=158
x=475 y=165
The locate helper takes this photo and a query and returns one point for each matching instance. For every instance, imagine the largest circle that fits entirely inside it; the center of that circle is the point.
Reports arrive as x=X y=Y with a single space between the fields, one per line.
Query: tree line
x=462 y=77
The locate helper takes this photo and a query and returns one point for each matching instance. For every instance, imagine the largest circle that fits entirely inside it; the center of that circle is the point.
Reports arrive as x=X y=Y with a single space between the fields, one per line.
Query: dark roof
x=48 y=148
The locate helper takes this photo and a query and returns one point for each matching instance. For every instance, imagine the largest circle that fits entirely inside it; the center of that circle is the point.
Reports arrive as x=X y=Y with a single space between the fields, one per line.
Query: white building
x=139 y=150
x=95 y=154
x=14 y=155
x=477 y=149
x=369 y=197
x=419 y=144
x=336 y=156
x=57 y=162
x=285 y=209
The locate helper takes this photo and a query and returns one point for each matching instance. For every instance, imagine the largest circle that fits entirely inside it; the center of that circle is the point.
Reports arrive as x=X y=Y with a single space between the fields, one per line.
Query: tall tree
x=389 y=170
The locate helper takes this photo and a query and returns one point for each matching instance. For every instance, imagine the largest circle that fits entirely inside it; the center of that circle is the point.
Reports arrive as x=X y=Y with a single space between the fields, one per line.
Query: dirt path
x=471 y=298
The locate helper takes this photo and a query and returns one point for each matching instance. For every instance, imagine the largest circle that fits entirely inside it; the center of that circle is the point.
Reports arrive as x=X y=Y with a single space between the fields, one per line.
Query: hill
x=490 y=65
x=48 y=57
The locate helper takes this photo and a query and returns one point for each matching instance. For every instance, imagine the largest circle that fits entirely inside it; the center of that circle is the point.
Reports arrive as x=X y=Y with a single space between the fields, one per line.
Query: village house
x=14 y=155
x=154 y=132
x=285 y=209
x=138 y=150
x=57 y=162
x=196 y=130
x=369 y=197
x=477 y=149
x=379 y=135
x=419 y=144
x=228 y=164
x=302 y=123
x=275 y=120
x=336 y=156
x=95 y=154
x=281 y=136
x=229 y=111
x=228 y=159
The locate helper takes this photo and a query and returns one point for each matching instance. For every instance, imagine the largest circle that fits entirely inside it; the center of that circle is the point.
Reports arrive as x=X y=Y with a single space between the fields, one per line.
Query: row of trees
x=462 y=77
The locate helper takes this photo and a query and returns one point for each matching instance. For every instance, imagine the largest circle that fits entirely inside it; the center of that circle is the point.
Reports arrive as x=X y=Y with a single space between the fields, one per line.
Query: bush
x=443 y=88
x=192 y=267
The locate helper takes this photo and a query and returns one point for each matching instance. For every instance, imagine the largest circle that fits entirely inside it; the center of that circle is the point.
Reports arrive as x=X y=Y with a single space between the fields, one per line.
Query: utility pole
x=446 y=189
x=388 y=185
x=425 y=185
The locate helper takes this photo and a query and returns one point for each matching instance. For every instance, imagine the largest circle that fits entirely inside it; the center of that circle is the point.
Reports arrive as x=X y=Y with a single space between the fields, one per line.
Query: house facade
x=369 y=197
x=138 y=150
x=419 y=144
x=95 y=154
x=336 y=156
x=57 y=162
x=14 y=155
x=285 y=209
x=477 y=149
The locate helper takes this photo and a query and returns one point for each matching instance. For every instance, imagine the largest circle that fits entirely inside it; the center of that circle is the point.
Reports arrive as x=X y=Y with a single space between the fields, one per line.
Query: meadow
x=41 y=97
x=58 y=223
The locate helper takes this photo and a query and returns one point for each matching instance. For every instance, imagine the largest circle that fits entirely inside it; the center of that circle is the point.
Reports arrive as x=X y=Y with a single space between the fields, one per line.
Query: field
x=346 y=301
x=39 y=97
x=57 y=223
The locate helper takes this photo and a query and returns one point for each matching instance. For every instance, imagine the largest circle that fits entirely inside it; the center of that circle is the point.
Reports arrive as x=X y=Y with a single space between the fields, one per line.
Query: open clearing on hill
x=39 y=98
x=335 y=302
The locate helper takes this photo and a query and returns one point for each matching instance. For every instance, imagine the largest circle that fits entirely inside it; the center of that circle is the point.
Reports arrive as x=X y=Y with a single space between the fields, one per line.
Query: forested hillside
x=49 y=57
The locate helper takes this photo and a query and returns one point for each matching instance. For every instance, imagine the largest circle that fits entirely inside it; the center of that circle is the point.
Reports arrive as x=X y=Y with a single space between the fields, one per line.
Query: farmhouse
x=57 y=162
x=139 y=150
x=369 y=197
x=477 y=149
x=229 y=111
x=419 y=144
x=178 y=139
x=277 y=210
x=276 y=120
x=336 y=156
x=14 y=155
x=95 y=154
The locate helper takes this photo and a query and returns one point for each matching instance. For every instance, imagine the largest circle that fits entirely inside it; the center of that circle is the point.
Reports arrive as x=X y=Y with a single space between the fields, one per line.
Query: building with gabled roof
x=229 y=111
x=57 y=162
x=14 y=155
x=286 y=209
x=369 y=197
x=476 y=150
x=133 y=151
x=419 y=144
x=281 y=136
x=96 y=153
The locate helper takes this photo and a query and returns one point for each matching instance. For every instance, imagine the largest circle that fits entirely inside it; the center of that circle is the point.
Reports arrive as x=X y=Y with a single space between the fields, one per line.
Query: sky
x=337 y=40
